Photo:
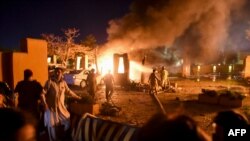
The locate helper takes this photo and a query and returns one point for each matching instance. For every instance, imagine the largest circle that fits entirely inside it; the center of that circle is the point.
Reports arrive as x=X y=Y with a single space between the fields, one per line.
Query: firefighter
x=164 y=78
x=153 y=82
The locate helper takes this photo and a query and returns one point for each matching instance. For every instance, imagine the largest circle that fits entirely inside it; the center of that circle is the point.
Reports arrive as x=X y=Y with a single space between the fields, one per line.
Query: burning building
x=199 y=30
x=121 y=69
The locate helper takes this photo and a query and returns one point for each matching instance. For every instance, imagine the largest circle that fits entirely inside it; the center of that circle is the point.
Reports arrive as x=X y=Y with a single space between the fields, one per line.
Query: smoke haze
x=197 y=27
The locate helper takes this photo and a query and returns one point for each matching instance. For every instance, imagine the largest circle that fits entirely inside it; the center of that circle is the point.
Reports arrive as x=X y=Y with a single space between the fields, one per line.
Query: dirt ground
x=138 y=107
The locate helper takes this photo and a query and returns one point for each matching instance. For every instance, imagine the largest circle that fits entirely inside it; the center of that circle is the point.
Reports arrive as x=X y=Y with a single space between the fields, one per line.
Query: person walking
x=92 y=83
x=27 y=94
x=56 y=116
x=153 y=82
x=109 y=85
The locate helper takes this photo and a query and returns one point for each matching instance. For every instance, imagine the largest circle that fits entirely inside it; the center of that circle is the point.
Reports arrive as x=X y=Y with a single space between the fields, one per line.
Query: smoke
x=198 y=27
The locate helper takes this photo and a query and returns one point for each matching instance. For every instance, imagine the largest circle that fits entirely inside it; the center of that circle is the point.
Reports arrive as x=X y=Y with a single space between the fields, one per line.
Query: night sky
x=30 y=18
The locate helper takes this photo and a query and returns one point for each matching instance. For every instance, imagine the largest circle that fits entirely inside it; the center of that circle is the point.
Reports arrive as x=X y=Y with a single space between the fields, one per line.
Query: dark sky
x=30 y=18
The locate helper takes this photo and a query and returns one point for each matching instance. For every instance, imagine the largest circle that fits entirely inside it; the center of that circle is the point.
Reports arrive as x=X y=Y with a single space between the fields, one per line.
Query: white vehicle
x=78 y=77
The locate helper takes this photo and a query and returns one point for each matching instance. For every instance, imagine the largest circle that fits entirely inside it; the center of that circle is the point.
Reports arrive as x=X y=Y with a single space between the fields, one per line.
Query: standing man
x=109 y=84
x=153 y=82
x=92 y=83
x=164 y=77
x=27 y=93
x=56 y=114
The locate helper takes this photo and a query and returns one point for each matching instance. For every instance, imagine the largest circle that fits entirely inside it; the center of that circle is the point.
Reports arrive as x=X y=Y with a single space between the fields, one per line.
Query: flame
x=121 y=65
x=106 y=63
x=136 y=69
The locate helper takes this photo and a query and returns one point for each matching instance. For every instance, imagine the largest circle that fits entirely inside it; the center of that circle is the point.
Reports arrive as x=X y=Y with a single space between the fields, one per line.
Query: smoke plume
x=198 y=27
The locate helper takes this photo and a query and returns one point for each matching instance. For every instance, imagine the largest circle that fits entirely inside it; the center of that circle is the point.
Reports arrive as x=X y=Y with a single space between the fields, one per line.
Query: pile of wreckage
x=142 y=87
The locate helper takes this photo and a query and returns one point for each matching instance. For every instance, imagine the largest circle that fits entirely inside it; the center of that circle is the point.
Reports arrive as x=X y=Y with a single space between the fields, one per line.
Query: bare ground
x=138 y=107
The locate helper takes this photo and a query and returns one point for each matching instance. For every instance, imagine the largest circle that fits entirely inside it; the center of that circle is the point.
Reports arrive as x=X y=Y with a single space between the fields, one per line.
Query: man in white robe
x=53 y=96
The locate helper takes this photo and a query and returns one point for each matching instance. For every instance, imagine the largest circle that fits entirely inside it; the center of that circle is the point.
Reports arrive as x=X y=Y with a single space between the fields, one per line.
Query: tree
x=90 y=41
x=66 y=47
x=55 y=44
x=70 y=35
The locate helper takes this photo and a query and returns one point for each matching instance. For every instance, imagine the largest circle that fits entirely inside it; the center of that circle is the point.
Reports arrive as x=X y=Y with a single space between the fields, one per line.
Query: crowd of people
x=42 y=109
x=45 y=105
x=17 y=125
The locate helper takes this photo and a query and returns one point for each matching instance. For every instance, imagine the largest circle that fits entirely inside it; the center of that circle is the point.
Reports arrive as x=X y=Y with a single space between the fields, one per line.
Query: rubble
x=109 y=109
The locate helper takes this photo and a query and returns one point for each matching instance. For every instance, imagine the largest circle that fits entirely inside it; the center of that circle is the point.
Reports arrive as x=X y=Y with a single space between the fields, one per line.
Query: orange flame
x=106 y=63
x=121 y=65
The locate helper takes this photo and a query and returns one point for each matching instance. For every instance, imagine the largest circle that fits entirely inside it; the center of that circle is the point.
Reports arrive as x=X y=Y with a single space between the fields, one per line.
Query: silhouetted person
x=109 y=85
x=56 y=116
x=153 y=82
x=226 y=120
x=28 y=93
x=16 y=125
x=175 y=128
x=92 y=83
x=164 y=77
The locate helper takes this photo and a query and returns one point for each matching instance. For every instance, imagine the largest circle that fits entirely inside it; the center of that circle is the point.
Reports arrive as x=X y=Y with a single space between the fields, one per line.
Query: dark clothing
x=28 y=95
x=91 y=84
x=109 y=83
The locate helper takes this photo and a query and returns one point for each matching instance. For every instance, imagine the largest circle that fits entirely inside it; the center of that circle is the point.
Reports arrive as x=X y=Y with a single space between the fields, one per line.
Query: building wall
x=33 y=55
x=247 y=67
x=35 y=59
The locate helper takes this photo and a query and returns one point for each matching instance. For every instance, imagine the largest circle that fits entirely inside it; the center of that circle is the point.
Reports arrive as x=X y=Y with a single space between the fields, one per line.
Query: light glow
x=198 y=68
x=230 y=69
x=78 y=62
x=121 y=65
x=214 y=68
x=49 y=60
x=105 y=64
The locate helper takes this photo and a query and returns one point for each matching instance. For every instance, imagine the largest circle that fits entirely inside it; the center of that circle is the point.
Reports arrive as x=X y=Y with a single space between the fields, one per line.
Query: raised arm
x=70 y=92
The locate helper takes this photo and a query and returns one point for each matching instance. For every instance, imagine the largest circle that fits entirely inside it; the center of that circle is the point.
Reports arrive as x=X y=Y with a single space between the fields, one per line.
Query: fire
x=106 y=64
x=136 y=69
x=121 y=65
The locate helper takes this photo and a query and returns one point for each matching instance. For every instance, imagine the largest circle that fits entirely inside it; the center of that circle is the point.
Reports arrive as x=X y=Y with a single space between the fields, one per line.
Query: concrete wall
x=33 y=56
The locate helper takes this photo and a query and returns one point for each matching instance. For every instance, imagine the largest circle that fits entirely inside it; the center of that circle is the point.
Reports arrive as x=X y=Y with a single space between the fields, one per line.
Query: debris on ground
x=109 y=109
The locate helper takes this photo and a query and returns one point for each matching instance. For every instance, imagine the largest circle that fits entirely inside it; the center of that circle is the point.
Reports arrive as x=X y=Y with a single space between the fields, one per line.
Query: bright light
x=230 y=69
x=121 y=65
x=106 y=64
x=199 y=68
x=136 y=69
x=179 y=63
x=78 y=62
x=49 y=59
x=214 y=68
